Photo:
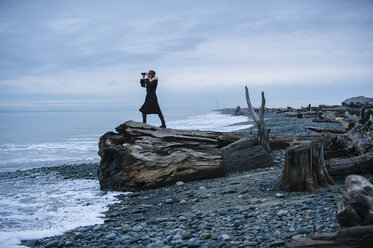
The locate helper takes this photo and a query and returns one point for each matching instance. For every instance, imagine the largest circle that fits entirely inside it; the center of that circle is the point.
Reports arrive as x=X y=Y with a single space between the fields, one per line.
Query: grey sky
x=89 y=54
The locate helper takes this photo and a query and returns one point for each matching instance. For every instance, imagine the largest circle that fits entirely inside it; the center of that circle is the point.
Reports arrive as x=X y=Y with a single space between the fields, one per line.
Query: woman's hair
x=152 y=72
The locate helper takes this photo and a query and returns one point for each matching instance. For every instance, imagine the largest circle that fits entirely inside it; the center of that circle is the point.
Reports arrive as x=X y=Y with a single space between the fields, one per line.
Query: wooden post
x=263 y=132
x=304 y=168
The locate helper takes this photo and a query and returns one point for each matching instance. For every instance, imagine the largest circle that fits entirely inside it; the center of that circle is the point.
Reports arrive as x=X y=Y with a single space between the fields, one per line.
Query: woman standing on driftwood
x=151 y=105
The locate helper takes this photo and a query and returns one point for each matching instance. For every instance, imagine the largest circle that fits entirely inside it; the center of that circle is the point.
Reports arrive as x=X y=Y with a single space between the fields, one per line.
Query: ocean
x=45 y=205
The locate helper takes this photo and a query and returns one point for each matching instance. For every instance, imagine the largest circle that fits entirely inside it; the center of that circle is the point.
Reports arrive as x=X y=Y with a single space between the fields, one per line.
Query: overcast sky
x=89 y=54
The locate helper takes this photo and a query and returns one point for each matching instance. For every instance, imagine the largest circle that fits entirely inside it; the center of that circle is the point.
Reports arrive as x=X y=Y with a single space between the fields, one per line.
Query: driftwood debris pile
x=350 y=149
x=352 y=152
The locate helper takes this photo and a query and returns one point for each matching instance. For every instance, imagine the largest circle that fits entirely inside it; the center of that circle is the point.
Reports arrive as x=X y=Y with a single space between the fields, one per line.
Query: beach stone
x=52 y=243
x=182 y=218
x=78 y=235
x=282 y=213
x=69 y=243
x=177 y=236
x=139 y=219
x=279 y=195
x=183 y=202
x=82 y=229
x=136 y=211
x=179 y=183
x=147 y=205
x=161 y=219
x=225 y=237
x=168 y=201
x=186 y=235
x=138 y=228
x=97 y=228
x=125 y=237
x=111 y=236
x=133 y=240
x=157 y=244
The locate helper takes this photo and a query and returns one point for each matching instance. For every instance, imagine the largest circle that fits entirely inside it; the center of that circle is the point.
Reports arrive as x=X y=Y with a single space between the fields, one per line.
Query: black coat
x=150 y=105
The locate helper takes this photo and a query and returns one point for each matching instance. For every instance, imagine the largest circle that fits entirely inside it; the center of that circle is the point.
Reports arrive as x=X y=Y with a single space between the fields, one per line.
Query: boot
x=162 y=120
x=163 y=124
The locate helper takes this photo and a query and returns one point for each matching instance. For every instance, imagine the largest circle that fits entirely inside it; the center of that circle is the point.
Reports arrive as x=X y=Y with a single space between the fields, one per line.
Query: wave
x=43 y=207
x=212 y=122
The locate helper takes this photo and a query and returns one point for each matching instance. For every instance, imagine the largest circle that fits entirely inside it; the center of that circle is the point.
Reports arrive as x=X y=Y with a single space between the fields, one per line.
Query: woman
x=151 y=105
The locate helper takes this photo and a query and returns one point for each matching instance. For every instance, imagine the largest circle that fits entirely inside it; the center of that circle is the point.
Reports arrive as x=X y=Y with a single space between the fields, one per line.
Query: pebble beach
x=243 y=209
x=239 y=210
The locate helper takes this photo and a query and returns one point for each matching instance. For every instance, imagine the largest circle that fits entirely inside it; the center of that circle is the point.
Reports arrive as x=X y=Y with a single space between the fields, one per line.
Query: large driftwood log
x=351 y=165
x=301 y=114
x=141 y=156
x=227 y=138
x=325 y=120
x=350 y=237
x=356 y=204
x=263 y=132
x=280 y=141
x=325 y=130
x=246 y=154
x=304 y=168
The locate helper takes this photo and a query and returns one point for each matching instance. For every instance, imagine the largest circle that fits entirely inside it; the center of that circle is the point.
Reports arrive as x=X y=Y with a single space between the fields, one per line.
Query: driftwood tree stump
x=263 y=132
x=304 y=168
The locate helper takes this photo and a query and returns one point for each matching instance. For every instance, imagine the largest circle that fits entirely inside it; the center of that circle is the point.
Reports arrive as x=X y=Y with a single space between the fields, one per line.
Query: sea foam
x=214 y=121
x=41 y=207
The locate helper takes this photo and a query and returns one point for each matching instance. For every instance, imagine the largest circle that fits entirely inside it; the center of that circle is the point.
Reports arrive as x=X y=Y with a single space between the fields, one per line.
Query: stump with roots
x=304 y=168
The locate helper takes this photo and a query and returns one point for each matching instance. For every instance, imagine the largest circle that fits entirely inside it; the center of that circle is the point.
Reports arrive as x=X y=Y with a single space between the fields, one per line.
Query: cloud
x=90 y=48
